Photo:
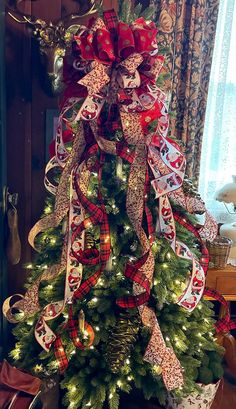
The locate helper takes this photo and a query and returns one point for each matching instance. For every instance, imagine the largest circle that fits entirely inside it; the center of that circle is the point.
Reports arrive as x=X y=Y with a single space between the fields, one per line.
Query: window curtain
x=218 y=160
x=187 y=30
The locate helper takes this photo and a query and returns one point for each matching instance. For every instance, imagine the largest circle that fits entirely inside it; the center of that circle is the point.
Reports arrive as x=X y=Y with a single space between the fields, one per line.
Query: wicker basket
x=219 y=251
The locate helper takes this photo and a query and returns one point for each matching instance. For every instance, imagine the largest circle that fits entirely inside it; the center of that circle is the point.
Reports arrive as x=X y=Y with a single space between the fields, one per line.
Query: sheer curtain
x=218 y=159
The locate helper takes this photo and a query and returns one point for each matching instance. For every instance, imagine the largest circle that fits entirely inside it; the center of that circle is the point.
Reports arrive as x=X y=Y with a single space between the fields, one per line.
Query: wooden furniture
x=223 y=280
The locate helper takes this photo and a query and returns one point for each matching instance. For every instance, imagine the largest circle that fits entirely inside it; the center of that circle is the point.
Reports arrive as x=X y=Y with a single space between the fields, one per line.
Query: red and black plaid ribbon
x=111 y=19
x=73 y=325
x=98 y=215
x=132 y=272
x=204 y=261
x=224 y=324
x=60 y=355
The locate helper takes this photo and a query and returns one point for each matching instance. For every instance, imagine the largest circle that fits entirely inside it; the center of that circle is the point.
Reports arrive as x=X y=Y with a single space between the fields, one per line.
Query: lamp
x=227 y=195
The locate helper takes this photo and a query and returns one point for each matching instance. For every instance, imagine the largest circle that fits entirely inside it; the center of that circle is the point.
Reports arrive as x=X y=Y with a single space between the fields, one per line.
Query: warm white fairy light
x=97 y=328
x=199 y=334
x=107 y=239
x=113 y=206
x=73 y=352
x=119 y=383
x=199 y=306
x=45 y=267
x=167 y=339
x=94 y=299
x=127 y=227
x=168 y=256
x=89 y=193
x=92 y=347
x=29 y=266
x=110 y=396
x=88 y=404
x=124 y=179
x=53 y=241
x=66 y=316
x=73 y=389
x=50 y=287
x=127 y=361
x=129 y=378
x=155 y=281
x=177 y=282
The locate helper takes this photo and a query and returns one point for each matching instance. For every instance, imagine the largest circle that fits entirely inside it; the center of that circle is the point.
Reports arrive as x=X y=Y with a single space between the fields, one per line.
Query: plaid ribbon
x=111 y=19
x=132 y=272
x=224 y=324
x=204 y=260
x=73 y=325
x=122 y=150
x=92 y=256
x=60 y=355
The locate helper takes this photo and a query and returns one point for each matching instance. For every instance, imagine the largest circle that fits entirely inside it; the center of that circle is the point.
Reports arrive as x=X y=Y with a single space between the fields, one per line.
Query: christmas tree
x=114 y=297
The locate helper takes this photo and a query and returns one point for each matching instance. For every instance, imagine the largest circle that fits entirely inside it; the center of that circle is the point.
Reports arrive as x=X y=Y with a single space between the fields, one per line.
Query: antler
x=27 y=19
x=54 y=38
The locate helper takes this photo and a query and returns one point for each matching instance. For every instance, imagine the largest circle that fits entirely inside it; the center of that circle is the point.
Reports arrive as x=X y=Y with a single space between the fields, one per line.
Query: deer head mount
x=54 y=38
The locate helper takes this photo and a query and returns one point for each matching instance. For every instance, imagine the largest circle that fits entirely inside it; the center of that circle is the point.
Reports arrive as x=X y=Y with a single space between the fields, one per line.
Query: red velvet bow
x=99 y=44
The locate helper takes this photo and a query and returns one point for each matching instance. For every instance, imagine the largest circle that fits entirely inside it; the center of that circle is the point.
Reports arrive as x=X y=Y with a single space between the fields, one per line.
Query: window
x=218 y=162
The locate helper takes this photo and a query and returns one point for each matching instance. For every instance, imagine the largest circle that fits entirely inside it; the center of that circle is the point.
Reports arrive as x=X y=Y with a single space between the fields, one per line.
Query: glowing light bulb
x=168 y=255
x=129 y=378
x=29 y=266
x=97 y=328
x=94 y=299
x=73 y=389
x=127 y=361
x=177 y=282
x=119 y=383
x=184 y=328
x=167 y=339
x=110 y=396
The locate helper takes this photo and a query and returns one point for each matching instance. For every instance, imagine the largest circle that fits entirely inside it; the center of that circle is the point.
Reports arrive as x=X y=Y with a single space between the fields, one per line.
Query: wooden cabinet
x=224 y=281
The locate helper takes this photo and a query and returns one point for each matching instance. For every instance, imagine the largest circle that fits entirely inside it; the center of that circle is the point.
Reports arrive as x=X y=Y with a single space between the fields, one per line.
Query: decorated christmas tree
x=114 y=297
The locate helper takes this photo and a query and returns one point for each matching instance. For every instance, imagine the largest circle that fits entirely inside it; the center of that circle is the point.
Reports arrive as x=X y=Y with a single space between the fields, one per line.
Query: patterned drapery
x=187 y=28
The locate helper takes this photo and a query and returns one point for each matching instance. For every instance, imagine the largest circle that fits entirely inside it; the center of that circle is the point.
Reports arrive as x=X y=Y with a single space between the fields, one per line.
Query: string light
x=155 y=282
x=127 y=227
x=53 y=241
x=127 y=361
x=97 y=328
x=165 y=265
x=92 y=347
x=73 y=389
x=50 y=287
x=29 y=266
x=184 y=328
x=168 y=256
x=30 y=322
x=129 y=378
x=110 y=396
x=119 y=383
x=73 y=352
x=199 y=306
x=94 y=299
x=45 y=267
x=38 y=368
x=167 y=339
x=177 y=282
